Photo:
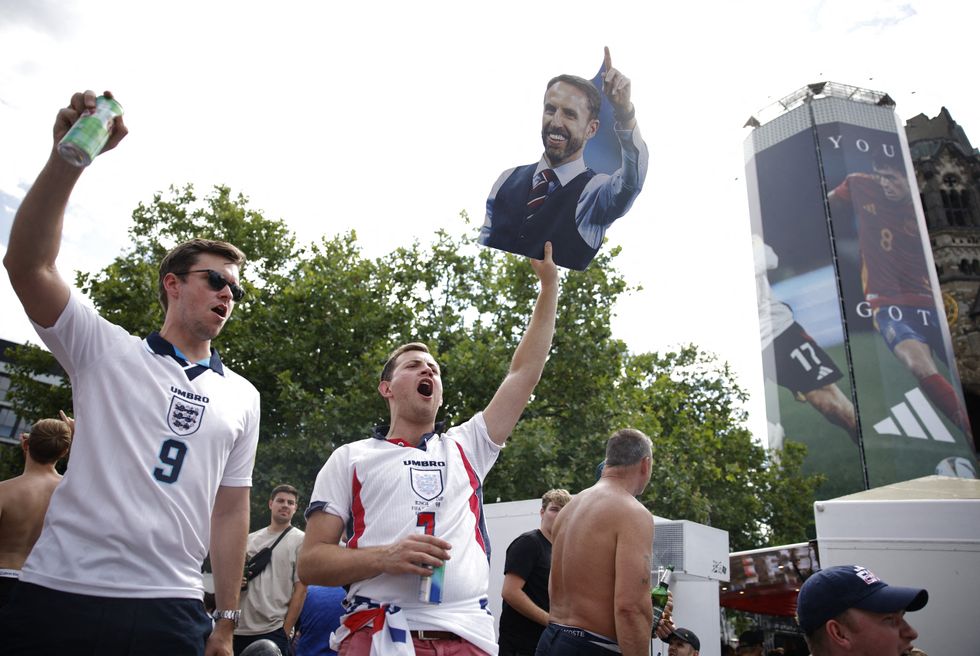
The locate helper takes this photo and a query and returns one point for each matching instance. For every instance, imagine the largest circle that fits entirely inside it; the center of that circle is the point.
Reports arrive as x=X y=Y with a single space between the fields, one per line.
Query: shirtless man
x=24 y=499
x=600 y=561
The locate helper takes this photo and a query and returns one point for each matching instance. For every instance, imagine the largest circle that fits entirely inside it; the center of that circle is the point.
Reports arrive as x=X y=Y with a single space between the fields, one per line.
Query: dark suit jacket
x=554 y=221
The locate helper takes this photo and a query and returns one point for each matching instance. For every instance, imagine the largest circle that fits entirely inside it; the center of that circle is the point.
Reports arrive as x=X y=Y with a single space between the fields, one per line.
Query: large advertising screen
x=856 y=351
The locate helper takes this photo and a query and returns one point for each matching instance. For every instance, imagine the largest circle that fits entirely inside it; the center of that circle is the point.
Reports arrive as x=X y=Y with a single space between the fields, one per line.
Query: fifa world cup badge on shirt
x=184 y=417
x=427 y=483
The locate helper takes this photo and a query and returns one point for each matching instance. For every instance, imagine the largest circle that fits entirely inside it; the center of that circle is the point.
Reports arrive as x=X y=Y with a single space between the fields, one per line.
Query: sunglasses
x=217 y=282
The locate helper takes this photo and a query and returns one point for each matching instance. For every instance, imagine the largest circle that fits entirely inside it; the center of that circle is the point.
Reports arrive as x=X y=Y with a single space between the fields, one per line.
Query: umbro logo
x=914 y=417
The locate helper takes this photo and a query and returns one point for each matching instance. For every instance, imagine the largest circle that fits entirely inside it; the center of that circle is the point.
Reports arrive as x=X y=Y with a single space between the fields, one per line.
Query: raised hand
x=617 y=88
x=545 y=268
x=80 y=103
x=666 y=625
x=68 y=420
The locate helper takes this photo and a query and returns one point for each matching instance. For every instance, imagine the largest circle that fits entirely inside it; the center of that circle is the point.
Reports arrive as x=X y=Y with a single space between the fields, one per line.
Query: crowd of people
x=394 y=559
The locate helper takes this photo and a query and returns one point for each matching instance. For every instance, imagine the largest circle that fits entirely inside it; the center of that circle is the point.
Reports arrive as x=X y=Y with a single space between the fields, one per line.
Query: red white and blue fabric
x=389 y=629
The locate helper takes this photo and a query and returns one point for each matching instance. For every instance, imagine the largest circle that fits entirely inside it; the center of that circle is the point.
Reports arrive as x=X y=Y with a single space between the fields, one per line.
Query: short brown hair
x=49 y=441
x=288 y=489
x=583 y=85
x=558 y=496
x=627 y=446
x=389 y=367
x=184 y=256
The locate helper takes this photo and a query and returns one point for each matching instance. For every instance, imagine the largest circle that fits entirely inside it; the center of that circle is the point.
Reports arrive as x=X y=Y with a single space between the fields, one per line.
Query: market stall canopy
x=766 y=580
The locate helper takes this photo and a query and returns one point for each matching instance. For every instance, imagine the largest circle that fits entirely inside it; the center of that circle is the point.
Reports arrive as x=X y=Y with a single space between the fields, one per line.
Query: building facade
x=10 y=424
x=947 y=170
x=856 y=351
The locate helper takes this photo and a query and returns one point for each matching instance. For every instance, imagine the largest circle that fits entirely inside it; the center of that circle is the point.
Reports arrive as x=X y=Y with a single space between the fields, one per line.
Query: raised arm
x=631 y=595
x=508 y=403
x=618 y=89
x=35 y=237
x=606 y=198
x=322 y=561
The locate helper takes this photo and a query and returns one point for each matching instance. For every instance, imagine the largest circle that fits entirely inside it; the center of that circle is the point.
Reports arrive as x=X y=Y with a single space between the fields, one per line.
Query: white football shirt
x=384 y=492
x=154 y=438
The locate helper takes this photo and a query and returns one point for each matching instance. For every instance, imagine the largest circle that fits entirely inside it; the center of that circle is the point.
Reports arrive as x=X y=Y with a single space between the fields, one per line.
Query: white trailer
x=922 y=533
x=699 y=554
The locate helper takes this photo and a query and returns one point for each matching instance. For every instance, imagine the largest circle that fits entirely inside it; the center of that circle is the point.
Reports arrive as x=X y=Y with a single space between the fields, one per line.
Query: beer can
x=88 y=136
x=430 y=587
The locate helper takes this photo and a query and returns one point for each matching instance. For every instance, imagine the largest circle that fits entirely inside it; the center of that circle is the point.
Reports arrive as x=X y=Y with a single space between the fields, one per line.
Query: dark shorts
x=39 y=621
x=7 y=585
x=509 y=646
x=561 y=640
x=801 y=365
x=897 y=323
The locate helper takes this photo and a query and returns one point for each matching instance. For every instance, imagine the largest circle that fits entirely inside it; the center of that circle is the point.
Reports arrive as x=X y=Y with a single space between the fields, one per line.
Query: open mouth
x=220 y=310
x=425 y=388
x=555 y=136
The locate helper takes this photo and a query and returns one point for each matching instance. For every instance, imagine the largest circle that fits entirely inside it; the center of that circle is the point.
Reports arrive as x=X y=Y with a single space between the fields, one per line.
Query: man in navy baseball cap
x=847 y=609
x=683 y=642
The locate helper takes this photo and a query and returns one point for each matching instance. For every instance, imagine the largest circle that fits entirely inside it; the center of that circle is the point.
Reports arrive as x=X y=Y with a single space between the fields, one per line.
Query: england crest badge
x=427 y=483
x=184 y=417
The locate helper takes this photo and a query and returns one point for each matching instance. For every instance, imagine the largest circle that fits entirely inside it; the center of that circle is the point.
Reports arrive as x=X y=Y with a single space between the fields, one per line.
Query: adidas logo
x=923 y=424
x=823 y=372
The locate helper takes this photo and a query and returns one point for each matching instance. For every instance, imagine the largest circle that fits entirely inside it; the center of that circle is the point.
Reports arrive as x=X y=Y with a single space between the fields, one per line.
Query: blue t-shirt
x=319 y=618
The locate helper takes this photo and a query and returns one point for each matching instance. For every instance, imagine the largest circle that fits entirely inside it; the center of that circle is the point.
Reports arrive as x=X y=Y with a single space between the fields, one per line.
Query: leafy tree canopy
x=318 y=322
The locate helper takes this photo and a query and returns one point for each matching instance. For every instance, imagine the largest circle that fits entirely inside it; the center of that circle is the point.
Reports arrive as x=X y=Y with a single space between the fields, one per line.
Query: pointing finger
x=607 y=59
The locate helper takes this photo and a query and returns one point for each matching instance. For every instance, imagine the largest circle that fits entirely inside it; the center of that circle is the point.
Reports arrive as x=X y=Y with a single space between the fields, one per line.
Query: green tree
x=39 y=388
x=318 y=322
x=790 y=496
x=706 y=467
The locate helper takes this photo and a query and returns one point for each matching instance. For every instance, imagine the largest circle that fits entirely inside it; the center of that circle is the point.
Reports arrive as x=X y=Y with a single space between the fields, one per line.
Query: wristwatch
x=232 y=615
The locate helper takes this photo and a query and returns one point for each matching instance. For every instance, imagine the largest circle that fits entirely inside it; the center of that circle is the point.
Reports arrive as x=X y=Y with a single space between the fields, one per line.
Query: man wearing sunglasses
x=162 y=457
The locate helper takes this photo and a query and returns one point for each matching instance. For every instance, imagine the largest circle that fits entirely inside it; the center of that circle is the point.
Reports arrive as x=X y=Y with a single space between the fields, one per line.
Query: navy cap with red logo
x=831 y=591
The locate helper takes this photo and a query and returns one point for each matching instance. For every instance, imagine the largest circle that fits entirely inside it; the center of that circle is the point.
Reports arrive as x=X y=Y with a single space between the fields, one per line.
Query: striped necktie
x=539 y=192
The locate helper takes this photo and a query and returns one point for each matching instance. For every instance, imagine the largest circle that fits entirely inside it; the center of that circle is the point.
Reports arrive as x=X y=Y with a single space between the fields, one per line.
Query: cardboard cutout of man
x=560 y=199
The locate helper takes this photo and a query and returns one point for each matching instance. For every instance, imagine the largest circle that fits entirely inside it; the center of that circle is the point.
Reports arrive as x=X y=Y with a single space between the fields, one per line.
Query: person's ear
x=592 y=128
x=171 y=286
x=837 y=632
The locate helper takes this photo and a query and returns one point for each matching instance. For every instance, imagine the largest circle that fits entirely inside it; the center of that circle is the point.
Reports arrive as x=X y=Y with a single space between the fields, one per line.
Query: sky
x=390 y=118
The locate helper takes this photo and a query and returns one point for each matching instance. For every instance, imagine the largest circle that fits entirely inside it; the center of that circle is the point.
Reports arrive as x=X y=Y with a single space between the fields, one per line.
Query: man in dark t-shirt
x=525 y=592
